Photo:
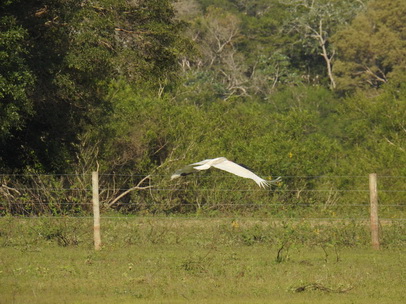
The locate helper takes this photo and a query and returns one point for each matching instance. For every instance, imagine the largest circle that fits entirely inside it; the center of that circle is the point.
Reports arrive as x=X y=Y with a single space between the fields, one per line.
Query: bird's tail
x=268 y=183
x=276 y=180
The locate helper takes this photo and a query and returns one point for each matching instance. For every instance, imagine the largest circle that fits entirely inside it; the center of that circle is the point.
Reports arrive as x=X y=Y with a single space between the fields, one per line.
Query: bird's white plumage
x=223 y=163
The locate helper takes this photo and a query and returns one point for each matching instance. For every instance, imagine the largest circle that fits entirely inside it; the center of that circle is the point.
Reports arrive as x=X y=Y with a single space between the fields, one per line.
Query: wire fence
x=207 y=195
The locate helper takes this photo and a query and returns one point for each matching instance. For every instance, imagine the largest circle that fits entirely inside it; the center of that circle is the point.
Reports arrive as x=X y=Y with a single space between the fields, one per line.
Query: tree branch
x=370 y=72
x=137 y=187
x=9 y=189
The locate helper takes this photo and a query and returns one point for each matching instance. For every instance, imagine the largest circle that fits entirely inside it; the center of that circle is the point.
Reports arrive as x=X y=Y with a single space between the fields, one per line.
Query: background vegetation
x=288 y=87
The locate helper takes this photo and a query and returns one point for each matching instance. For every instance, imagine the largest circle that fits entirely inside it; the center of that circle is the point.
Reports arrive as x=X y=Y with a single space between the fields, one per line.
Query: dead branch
x=375 y=76
x=137 y=187
x=9 y=189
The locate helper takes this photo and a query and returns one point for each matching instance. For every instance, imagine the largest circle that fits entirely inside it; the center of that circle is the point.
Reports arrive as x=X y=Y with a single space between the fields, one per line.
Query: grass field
x=147 y=260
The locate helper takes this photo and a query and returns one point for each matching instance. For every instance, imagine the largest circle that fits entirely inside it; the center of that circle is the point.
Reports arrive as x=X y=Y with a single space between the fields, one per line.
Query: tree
x=16 y=78
x=315 y=21
x=375 y=129
x=73 y=50
x=216 y=34
x=270 y=72
x=372 y=50
x=265 y=48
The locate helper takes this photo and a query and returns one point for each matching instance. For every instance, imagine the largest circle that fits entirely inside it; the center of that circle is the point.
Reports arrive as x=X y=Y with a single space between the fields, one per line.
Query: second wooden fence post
x=373 y=196
x=96 y=210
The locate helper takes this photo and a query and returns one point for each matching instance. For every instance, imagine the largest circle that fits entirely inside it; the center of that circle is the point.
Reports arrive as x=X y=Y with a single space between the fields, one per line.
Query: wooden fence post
x=96 y=210
x=373 y=197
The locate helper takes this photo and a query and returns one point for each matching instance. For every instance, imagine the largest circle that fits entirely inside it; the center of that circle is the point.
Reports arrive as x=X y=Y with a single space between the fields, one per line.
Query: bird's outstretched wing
x=223 y=164
x=236 y=169
x=241 y=171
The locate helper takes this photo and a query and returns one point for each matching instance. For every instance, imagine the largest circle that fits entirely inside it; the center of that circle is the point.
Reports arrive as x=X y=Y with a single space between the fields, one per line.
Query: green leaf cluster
x=16 y=78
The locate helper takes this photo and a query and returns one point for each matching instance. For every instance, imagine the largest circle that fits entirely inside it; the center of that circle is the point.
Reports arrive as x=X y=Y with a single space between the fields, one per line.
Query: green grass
x=147 y=260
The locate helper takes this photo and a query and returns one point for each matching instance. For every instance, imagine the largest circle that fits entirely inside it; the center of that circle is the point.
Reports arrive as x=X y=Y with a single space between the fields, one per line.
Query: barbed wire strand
x=366 y=219
x=208 y=189
x=215 y=205
x=197 y=175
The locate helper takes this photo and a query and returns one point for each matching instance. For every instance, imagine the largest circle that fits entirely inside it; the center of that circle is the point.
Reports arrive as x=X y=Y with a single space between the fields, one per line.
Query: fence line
x=278 y=219
x=198 y=176
x=241 y=204
x=46 y=194
x=37 y=187
x=209 y=189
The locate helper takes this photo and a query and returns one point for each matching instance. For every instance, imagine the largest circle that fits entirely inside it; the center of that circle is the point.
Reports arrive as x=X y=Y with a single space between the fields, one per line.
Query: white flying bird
x=223 y=163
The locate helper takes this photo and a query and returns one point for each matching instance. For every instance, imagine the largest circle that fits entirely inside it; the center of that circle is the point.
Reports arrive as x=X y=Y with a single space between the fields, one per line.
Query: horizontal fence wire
x=242 y=204
x=208 y=189
x=217 y=175
x=203 y=218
